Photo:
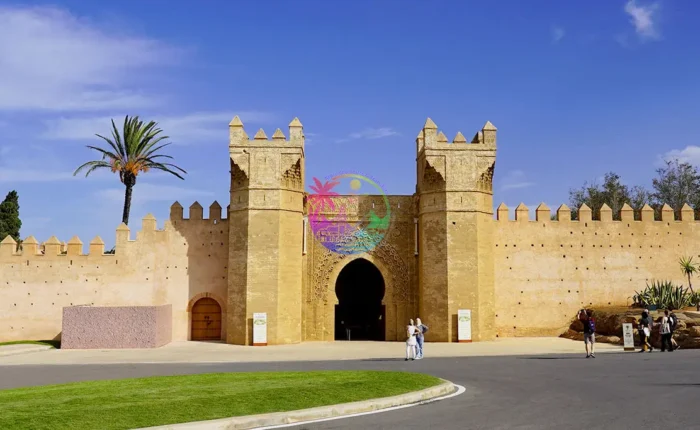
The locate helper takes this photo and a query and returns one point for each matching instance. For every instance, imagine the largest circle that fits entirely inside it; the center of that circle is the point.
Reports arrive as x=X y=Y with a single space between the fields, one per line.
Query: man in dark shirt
x=588 y=331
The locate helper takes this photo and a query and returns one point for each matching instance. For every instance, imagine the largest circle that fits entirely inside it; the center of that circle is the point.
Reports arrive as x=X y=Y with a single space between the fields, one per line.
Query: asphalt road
x=612 y=391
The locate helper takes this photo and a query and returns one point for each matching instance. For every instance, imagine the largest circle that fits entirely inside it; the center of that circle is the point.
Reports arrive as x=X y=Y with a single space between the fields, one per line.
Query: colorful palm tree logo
x=322 y=200
x=334 y=219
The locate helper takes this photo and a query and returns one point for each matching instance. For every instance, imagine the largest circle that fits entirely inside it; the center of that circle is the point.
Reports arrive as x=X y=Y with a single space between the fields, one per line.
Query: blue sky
x=576 y=89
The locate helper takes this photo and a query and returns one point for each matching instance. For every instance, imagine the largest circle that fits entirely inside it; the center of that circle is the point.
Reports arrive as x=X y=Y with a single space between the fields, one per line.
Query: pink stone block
x=111 y=327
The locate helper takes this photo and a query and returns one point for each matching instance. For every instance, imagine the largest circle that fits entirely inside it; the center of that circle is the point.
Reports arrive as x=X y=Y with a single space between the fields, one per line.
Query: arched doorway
x=206 y=319
x=359 y=314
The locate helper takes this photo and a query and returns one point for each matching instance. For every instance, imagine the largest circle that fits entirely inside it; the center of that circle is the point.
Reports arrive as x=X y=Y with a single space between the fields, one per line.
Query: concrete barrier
x=112 y=327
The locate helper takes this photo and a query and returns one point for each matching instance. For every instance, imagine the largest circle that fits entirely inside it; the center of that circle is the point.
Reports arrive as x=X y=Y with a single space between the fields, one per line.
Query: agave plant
x=664 y=295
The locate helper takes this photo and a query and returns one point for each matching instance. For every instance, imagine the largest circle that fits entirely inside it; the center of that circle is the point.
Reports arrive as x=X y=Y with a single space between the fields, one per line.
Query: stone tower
x=265 y=233
x=456 y=231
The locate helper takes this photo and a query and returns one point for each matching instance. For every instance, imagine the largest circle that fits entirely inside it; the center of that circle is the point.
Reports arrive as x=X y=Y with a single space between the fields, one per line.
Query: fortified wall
x=184 y=261
x=444 y=251
x=546 y=270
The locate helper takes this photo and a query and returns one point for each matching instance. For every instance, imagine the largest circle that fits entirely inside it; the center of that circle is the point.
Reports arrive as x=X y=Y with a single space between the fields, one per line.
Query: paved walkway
x=22 y=348
x=207 y=352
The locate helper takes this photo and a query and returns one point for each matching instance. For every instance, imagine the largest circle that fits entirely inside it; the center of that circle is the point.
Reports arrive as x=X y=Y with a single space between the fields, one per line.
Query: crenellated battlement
x=585 y=214
x=430 y=138
x=196 y=213
x=30 y=247
x=238 y=136
x=75 y=247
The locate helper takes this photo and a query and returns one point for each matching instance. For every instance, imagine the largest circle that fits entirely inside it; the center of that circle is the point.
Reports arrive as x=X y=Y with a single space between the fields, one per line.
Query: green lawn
x=54 y=343
x=161 y=400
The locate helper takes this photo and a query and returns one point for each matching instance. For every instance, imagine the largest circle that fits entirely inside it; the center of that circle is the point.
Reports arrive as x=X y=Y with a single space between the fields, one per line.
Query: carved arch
x=485 y=182
x=432 y=178
x=218 y=299
x=239 y=178
x=291 y=178
x=331 y=297
x=384 y=257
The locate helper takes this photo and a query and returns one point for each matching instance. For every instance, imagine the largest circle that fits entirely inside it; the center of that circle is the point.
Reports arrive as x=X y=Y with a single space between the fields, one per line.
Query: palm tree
x=135 y=151
x=689 y=269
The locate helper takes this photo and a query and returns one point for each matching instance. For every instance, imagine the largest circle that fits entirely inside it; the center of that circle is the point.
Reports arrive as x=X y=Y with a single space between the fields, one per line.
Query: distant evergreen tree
x=10 y=224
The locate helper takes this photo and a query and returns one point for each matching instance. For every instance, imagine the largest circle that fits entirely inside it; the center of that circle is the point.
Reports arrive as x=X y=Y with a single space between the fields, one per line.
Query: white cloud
x=145 y=192
x=374 y=133
x=309 y=138
x=558 y=34
x=189 y=128
x=515 y=179
x=52 y=60
x=370 y=133
x=32 y=175
x=689 y=154
x=643 y=19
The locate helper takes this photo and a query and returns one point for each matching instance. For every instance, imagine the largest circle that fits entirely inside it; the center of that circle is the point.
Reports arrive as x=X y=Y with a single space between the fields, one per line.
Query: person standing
x=665 y=330
x=588 y=332
x=644 y=329
x=422 y=329
x=411 y=341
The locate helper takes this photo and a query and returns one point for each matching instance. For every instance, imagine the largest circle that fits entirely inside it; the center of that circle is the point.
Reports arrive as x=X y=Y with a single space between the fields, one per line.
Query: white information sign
x=259 y=329
x=464 y=325
x=628 y=336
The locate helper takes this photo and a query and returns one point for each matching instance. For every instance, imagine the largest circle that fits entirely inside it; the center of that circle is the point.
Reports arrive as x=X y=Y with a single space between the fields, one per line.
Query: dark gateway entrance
x=359 y=314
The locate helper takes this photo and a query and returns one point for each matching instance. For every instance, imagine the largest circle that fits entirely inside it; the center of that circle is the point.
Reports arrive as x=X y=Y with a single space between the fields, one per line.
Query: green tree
x=135 y=151
x=612 y=192
x=676 y=184
x=10 y=224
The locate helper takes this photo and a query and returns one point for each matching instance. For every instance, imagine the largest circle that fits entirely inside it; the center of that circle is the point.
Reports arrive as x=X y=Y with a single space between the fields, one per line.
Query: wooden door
x=206 y=320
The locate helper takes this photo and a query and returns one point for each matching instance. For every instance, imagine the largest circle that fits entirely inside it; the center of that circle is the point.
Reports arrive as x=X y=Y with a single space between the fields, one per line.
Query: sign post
x=260 y=329
x=628 y=336
x=464 y=325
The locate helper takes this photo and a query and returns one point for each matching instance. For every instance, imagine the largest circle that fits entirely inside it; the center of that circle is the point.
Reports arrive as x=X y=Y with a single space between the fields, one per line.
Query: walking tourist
x=588 y=331
x=674 y=323
x=665 y=331
x=644 y=329
x=422 y=328
x=411 y=341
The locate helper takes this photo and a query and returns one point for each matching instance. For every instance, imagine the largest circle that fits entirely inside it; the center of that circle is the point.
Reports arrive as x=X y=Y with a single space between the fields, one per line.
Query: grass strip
x=162 y=400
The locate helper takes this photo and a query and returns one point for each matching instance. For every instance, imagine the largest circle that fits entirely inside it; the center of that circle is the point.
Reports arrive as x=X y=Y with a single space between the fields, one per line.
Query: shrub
x=664 y=295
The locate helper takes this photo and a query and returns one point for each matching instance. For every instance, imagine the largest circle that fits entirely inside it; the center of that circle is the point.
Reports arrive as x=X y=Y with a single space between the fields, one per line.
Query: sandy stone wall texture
x=88 y=327
x=547 y=270
x=170 y=266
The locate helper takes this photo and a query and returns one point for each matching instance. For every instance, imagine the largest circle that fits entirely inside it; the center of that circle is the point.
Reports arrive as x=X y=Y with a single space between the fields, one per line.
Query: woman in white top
x=666 y=333
x=411 y=341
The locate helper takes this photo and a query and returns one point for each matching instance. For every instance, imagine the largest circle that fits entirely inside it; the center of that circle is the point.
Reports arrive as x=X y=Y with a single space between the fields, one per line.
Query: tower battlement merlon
x=431 y=138
x=605 y=215
x=196 y=213
x=239 y=138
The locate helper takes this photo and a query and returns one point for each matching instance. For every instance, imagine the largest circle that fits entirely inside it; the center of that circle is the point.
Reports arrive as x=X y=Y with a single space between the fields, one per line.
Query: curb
x=24 y=349
x=318 y=413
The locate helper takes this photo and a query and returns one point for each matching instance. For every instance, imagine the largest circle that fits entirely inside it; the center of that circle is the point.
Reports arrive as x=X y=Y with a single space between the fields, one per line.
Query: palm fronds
x=136 y=150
